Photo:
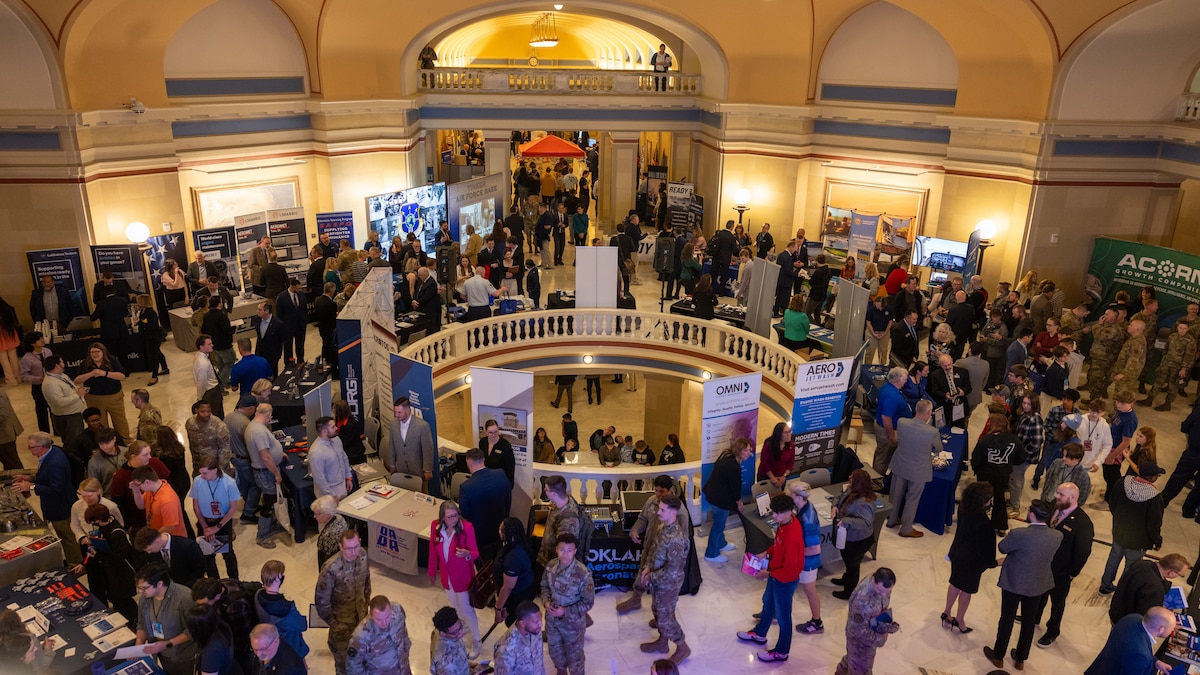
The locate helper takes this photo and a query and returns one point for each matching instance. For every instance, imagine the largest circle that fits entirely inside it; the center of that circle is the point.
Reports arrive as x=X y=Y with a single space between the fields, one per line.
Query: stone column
x=497 y=158
x=618 y=187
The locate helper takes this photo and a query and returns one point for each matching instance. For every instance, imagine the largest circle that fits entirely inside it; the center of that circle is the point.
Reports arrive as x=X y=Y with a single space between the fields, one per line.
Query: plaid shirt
x=1031 y=431
x=1053 y=420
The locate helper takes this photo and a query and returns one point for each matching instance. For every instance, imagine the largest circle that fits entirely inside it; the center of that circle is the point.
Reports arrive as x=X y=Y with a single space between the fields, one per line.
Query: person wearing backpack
x=274 y=609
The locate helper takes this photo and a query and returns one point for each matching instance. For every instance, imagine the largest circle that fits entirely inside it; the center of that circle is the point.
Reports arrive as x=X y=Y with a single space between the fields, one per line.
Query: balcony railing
x=549 y=81
x=1189 y=108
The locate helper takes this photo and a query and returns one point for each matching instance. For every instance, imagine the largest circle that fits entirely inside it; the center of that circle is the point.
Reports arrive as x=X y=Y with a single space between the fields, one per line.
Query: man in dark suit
x=1130 y=646
x=52 y=484
x=1025 y=577
x=910 y=298
x=1072 y=554
x=787 y=278
x=491 y=259
x=182 y=556
x=57 y=297
x=109 y=285
x=199 y=271
x=904 y=340
x=427 y=301
x=212 y=286
x=269 y=331
x=325 y=312
x=726 y=245
x=948 y=386
x=484 y=501
x=911 y=468
x=274 y=276
x=111 y=311
x=292 y=310
x=961 y=319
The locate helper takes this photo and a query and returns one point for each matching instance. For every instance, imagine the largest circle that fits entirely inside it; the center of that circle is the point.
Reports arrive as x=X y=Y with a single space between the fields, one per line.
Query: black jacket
x=819 y=282
x=1137 y=513
x=1140 y=588
x=937 y=387
x=37 y=307
x=217 y=326
x=428 y=301
x=1076 y=546
x=187 y=561
x=325 y=312
x=961 y=319
x=996 y=454
x=275 y=278
x=269 y=345
x=293 y=316
x=724 y=486
x=904 y=345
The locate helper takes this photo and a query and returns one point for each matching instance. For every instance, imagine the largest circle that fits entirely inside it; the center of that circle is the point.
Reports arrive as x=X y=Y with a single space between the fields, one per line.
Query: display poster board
x=507 y=397
x=65 y=265
x=289 y=238
x=249 y=229
x=863 y=229
x=596 y=276
x=818 y=410
x=416 y=210
x=348 y=334
x=971 y=266
x=679 y=206
x=318 y=403
x=163 y=248
x=338 y=225
x=124 y=261
x=729 y=411
x=414 y=380
x=656 y=179
x=478 y=202
x=219 y=246
x=1119 y=265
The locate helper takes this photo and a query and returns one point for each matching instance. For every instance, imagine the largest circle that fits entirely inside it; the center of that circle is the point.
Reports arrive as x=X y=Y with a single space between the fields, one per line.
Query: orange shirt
x=164 y=512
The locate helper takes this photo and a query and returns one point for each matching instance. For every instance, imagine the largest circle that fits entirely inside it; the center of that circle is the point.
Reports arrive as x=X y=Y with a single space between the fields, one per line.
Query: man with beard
x=1069 y=559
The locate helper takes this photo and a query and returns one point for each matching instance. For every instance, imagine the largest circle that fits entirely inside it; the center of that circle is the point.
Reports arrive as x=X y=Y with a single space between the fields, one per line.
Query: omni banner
x=1129 y=266
x=729 y=412
x=818 y=410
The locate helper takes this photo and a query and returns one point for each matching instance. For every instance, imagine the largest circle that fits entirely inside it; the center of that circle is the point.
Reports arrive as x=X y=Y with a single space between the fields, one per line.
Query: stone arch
x=30 y=76
x=1132 y=66
x=886 y=54
x=709 y=57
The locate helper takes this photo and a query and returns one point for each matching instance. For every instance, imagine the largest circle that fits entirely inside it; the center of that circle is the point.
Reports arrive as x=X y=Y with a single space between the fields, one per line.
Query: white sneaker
x=717 y=559
x=728 y=547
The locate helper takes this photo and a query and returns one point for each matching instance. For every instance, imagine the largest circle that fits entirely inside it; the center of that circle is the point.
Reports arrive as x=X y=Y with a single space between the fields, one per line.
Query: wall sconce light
x=741 y=201
x=137 y=232
x=558 y=8
x=986 y=230
x=587 y=358
x=467 y=379
x=706 y=375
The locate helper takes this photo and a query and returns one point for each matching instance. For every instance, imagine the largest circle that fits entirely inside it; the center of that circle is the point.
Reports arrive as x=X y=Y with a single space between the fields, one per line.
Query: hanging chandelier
x=543 y=33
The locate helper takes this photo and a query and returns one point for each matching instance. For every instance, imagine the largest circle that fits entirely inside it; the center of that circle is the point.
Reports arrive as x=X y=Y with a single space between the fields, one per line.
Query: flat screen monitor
x=418 y=210
x=940 y=254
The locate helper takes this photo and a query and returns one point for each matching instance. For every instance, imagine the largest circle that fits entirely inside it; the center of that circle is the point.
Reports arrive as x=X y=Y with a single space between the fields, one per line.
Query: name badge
x=157 y=628
x=215 y=509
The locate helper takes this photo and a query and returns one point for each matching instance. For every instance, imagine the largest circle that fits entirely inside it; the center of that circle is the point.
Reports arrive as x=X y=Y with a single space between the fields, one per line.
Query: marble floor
x=727 y=597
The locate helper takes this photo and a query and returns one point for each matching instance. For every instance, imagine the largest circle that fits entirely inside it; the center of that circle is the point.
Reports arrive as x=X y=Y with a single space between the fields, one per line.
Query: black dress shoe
x=991 y=656
x=1019 y=664
x=842 y=594
x=1046 y=640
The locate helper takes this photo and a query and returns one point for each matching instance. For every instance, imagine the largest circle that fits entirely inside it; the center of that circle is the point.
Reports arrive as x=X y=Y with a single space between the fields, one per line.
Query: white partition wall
x=760 y=299
x=507 y=397
x=596 y=276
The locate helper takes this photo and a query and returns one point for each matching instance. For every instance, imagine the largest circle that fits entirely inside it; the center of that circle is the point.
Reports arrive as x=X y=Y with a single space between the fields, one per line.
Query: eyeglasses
x=142 y=588
x=259 y=650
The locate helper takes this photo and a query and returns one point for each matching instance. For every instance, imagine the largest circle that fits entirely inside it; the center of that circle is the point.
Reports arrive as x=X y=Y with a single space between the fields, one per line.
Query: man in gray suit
x=1025 y=577
x=912 y=467
x=410 y=446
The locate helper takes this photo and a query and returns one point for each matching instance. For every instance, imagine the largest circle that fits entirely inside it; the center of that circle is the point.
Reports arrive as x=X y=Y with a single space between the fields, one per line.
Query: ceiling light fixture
x=558 y=8
x=587 y=358
x=543 y=32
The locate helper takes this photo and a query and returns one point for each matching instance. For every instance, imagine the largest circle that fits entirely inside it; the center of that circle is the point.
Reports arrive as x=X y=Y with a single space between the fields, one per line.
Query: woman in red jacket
x=452 y=552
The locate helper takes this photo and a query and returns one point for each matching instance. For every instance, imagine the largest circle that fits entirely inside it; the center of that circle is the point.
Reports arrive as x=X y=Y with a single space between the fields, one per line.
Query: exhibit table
x=31 y=546
x=397 y=526
x=733 y=314
x=822 y=337
x=286 y=410
x=760 y=535
x=936 y=508
x=185 y=333
x=560 y=300
x=73 y=347
x=298 y=490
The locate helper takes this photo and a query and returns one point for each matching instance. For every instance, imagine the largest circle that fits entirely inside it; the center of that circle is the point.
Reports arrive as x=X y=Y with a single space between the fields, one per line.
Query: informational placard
x=819 y=409
x=163 y=248
x=729 y=412
x=250 y=229
x=478 y=202
x=124 y=261
x=65 y=265
x=414 y=380
x=656 y=178
x=1128 y=266
x=338 y=225
x=679 y=206
x=416 y=210
x=506 y=396
x=219 y=246
x=971 y=265
x=289 y=239
x=863 y=229
x=348 y=334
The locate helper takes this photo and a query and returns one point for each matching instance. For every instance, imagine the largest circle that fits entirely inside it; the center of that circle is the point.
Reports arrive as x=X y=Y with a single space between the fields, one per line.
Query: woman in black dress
x=703 y=298
x=153 y=335
x=972 y=552
x=350 y=431
x=513 y=570
x=497 y=451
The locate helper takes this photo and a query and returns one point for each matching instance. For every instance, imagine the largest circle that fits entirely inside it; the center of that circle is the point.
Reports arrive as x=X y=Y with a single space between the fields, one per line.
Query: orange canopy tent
x=550 y=146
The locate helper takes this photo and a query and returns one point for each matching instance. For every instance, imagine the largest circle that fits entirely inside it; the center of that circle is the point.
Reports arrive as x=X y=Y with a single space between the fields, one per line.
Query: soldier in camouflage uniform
x=563 y=518
x=447 y=653
x=567 y=594
x=207 y=435
x=1131 y=359
x=1106 y=343
x=380 y=643
x=645 y=530
x=343 y=591
x=1070 y=322
x=519 y=651
x=1148 y=316
x=663 y=574
x=1192 y=319
x=1176 y=363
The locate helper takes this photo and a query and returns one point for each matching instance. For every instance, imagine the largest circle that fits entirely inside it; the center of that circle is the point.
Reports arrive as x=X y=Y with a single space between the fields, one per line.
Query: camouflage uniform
x=1107 y=341
x=448 y=656
x=667 y=563
x=1068 y=325
x=519 y=654
x=1180 y=353
x=343 y=593
x=570 y=588
x=1150 y=336
x=647 y=527
x=380 y=651
x=208 y=439
x=1129 y=364
x=559 y=521
x=149 y=420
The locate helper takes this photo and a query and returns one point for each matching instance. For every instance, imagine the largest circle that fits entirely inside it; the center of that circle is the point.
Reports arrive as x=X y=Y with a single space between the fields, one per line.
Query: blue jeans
x=1109 y=580
x=716 y=536
x=777 y=605
x=246 y=485
x=1048 y=457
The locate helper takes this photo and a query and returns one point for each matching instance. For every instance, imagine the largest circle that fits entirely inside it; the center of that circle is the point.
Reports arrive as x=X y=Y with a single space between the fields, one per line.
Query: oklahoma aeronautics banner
x=1128 y=266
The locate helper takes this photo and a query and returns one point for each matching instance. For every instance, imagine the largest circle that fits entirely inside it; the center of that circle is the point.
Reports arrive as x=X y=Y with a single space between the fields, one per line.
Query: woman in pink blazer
x=452 y=552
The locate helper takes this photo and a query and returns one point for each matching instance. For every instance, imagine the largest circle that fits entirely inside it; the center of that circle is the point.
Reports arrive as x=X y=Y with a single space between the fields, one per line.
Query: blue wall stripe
x=890 y=132
x=562 y=113
x=234 y=86
x=240 y=126
x=1090 y=148
x=30 y=140
x=710 y=119
x=1181 y=152
x=906 y=95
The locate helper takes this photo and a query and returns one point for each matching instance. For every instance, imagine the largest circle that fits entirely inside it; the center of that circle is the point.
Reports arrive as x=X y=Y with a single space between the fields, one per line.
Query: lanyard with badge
x=156 y=626
x=213 y=505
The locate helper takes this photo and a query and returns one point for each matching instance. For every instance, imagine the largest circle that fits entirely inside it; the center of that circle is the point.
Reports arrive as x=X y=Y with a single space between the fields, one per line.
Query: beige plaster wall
x=32 y=217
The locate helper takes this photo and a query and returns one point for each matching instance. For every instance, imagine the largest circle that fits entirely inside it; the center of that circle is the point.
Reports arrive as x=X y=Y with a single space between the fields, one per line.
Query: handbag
x=482 y=590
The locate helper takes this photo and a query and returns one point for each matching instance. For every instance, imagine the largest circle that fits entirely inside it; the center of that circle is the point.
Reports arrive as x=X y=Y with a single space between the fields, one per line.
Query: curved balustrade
x=549 y=80
x=729 y=350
